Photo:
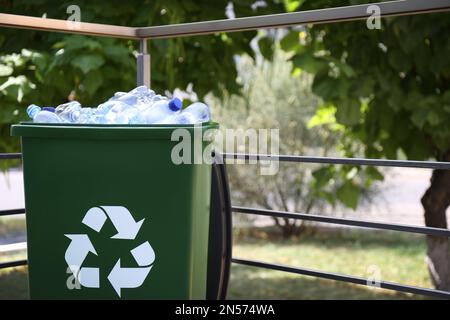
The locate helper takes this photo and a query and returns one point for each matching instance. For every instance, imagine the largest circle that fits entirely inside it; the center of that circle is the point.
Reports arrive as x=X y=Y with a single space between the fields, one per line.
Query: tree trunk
x=435 y=201
x=288 y=228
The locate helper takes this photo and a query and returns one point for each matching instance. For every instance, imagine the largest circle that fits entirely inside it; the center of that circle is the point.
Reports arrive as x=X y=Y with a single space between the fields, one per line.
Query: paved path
x=398 y=200
x=11 y=190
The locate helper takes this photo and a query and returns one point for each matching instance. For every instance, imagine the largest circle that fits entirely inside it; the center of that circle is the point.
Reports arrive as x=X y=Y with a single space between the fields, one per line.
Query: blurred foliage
x=49 y=68
x=398 y=257
x=389 y=88
x=380 y=87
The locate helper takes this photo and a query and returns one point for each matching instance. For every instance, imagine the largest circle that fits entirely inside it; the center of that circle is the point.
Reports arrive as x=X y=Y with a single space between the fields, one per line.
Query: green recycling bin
x=110 y=215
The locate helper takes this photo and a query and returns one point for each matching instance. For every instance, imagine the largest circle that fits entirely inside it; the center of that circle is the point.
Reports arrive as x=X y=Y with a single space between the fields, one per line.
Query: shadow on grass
x=254 y=283
x=336 y=239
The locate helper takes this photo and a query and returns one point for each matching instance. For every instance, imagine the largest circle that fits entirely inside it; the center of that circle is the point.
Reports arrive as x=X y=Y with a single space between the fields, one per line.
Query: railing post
x=143 y=65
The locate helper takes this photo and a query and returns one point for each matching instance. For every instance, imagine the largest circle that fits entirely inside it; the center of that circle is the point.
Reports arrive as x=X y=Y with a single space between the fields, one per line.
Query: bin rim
x=104 y=131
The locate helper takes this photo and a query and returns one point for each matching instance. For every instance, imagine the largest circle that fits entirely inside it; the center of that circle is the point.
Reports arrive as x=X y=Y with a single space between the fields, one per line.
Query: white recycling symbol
x=127 y=228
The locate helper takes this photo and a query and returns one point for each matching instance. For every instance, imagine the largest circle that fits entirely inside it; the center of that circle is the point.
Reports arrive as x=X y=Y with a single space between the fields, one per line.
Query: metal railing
x=320 y=218
x=330 y=15
x=346 y=222
x=11 y=212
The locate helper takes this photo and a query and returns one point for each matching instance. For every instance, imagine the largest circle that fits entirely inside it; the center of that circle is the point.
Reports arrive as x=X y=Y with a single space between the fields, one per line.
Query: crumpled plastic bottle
x=139 y=106
x=42 y=115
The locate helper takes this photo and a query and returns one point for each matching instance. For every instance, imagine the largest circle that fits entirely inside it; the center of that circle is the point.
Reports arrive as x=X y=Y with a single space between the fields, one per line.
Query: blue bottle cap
x=51 y=109
x=175 y=104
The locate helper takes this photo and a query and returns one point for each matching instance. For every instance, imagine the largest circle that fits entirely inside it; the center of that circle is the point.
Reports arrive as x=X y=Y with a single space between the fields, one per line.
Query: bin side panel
x=64 y=178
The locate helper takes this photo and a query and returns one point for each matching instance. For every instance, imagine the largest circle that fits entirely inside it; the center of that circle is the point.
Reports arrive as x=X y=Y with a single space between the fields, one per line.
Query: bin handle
x=220 y=232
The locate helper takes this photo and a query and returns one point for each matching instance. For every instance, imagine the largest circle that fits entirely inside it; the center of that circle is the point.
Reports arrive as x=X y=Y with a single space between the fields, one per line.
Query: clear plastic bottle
x=179 y=118
x=198 y=111
x=139 y=106
x=33 y=110
x=51 y=109
x=87 y=115
x=161 y=111
x=129 y=99
x=117 y=95
x=139 y=97
x=69 y=112
x=105 y=107
x=119 y=112
x=42 y=116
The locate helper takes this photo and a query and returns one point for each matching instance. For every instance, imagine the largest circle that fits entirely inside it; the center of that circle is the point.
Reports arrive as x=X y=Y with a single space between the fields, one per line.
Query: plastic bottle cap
x=51 y=109
x=175 y=104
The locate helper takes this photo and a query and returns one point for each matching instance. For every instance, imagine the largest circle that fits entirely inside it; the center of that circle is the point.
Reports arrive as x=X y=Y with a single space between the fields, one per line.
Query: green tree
x=49 y=68
x=273 y=99
x=390 y=88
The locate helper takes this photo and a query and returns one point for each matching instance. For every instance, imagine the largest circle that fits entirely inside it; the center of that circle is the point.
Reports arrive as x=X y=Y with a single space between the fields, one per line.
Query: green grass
x=399 y=257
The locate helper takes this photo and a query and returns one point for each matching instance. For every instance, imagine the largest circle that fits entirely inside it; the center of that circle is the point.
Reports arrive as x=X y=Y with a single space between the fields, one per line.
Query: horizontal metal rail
x=326 y=160
x=57 y=25
x=344 y=278
x=5 y=156
x=342 y=221
x=350 y=161
x=12 y=264
x=11 y=212
x=336 y=14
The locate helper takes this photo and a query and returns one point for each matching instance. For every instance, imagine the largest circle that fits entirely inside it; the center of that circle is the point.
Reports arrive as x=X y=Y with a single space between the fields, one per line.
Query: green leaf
x=118 y=52
x=78 y=42
x=92 y=81
x=292 y=5
x=290 y=41
x=399 y=61
x=88 y=62
x=328 y=196
x=324 y=115
x=308 y=63
x=9 y=114
x=323 y=176
x=351 y=173
x=374 y=174
x=345 y=69
x=265 y=45
x=419 y=117
x=363 y=87
x=348 y=194
x=324 y=86
x=433 y=118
